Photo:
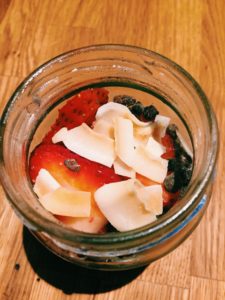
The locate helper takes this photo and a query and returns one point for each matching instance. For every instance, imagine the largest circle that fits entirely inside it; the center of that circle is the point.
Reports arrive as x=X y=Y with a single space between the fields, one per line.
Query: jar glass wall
x=154 y=80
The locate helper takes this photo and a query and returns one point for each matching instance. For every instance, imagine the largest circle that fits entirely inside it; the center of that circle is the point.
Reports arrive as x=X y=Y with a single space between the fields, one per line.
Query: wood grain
x=190 y=32
x=211 y=232
x=145 y=291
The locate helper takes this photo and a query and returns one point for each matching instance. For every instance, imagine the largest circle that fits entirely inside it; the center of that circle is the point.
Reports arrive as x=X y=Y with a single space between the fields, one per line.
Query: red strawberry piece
x=81 y=108
x=169 y=198
x=167 y=142
x=72 y=170
x=168 y=154
x=88 y=176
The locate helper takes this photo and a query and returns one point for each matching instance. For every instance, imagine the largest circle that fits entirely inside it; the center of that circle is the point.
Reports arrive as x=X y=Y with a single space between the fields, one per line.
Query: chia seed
x=72 y=164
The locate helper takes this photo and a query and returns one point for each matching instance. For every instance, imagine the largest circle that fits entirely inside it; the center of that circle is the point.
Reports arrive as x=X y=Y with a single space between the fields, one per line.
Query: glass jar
x=147 y=75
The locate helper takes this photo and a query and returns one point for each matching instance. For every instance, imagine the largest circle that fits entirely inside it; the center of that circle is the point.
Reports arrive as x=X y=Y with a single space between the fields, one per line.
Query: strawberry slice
x=72 y=170
x=167 y=142
x=81 y=108
x=169 y=198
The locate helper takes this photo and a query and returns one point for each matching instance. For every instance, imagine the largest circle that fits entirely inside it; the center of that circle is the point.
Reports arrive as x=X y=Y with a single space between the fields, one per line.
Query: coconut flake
x=148 y=165
x=90 y=144
x=45 y=183
x=67 y=202
x=119 y=203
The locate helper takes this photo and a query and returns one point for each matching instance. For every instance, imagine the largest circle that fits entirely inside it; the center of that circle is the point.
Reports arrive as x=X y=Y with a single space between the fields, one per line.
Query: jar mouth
x=191 y=199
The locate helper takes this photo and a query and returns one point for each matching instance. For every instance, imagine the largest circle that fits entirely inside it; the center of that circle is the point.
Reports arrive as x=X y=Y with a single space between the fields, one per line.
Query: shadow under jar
x=152 y=79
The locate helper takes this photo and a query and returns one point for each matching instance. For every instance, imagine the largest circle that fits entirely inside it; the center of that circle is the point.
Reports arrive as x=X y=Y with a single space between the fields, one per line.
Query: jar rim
x=166 y=221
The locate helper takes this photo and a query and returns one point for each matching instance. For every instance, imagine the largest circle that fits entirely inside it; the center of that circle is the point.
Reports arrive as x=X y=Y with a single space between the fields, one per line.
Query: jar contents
x=109 y=164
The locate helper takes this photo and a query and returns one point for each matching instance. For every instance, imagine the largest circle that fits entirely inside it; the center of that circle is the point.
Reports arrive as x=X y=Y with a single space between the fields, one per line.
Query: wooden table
x=190 y=32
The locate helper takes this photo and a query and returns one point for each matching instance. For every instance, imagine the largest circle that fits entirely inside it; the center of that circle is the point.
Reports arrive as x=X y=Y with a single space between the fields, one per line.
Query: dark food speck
x=150 y=112
x=137 y=109
x=180 y=167
x=124 y=100
x=17 y=266
x=172 y=131
x=72 y=165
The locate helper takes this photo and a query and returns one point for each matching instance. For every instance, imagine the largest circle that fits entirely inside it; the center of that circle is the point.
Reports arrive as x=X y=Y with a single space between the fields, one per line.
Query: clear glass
x=156 y=80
